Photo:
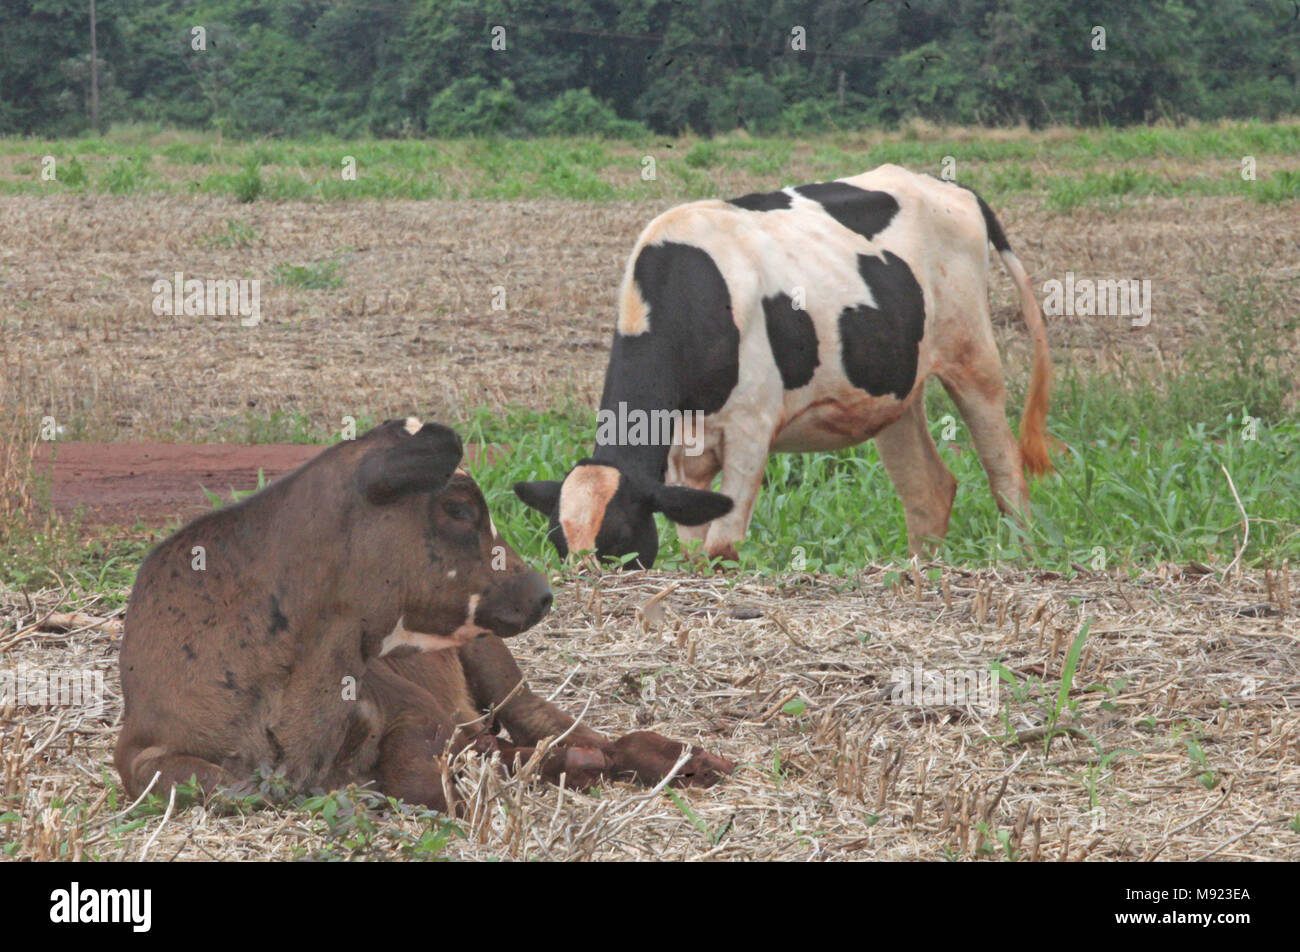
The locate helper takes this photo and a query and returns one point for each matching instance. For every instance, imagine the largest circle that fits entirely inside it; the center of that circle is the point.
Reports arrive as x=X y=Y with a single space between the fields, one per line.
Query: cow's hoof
x=703 y=769
x=726 y=553
x=584 y=767
x=647 y=757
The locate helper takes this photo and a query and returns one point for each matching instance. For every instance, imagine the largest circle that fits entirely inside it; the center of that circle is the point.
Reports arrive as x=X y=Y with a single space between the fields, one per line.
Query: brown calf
x=345 y=624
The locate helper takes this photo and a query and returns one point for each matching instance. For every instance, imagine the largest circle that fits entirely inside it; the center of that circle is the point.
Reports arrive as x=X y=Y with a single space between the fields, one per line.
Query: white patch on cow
x=583 y=499
x=631 y=309
x=402 y=637
x=451 y=573
x=413 y=425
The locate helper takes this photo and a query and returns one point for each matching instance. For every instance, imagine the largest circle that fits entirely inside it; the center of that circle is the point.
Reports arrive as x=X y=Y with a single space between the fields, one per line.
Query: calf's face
x=473 y=577
x=602 y=508
x=458 y=578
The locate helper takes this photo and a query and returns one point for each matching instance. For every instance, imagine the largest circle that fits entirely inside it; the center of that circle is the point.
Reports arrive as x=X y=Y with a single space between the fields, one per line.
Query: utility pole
x=94 y=72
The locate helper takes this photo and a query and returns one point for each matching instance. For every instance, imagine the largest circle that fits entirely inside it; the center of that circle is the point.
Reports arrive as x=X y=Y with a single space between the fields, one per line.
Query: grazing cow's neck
x=638 y=383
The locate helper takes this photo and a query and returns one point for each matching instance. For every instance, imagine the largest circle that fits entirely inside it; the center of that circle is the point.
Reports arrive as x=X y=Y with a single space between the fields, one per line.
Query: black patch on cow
x=793 y=340
x=991 y=224
x=857 y=209
x=190 y=653
x=762 y=201
x=690 y=357
x=279 y=622
x=879 y=345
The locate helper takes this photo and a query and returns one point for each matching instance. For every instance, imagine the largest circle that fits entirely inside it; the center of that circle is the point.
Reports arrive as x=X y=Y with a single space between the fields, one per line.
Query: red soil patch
x=121 y=484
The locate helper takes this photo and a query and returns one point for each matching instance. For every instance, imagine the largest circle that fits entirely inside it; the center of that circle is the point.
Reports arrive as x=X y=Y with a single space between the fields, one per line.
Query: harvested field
x=1175 y=738
x=412 y=324
x=1178 y=741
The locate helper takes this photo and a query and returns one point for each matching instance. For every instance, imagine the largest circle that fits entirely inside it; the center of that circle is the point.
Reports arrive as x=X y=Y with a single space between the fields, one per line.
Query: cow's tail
x=1033 y=422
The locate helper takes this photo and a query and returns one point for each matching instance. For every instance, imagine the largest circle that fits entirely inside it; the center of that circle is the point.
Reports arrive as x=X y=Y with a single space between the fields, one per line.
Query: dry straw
x=1184 y=726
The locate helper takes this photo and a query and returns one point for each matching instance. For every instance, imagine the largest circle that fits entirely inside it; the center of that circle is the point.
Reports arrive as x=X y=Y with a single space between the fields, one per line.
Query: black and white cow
x=804 y=319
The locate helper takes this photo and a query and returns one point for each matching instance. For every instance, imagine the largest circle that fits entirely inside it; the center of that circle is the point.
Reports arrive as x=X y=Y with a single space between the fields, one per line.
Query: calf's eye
x=459 y=511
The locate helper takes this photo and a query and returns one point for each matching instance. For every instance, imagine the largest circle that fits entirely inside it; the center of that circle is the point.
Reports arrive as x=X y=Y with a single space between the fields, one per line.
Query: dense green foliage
x=428 y=67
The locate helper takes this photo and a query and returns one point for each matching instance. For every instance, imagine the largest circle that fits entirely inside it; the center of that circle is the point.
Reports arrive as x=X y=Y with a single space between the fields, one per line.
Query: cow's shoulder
x=926 y=203
x=681 y=252
x=763 y=201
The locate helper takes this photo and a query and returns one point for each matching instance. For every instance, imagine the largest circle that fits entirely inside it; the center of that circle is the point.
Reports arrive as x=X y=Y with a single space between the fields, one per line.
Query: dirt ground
x=160 y=484
x=120 y=484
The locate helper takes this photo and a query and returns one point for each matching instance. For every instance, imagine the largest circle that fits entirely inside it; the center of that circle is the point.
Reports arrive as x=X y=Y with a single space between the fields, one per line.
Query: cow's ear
x=541 y=495
x=422 y=463
x=689 y=507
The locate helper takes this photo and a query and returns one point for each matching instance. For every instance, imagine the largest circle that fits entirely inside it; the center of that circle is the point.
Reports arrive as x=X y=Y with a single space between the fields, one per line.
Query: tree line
x=628 y=67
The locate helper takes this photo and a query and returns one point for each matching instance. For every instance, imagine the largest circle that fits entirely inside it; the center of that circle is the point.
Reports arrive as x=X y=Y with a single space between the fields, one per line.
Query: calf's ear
x=541 y=495
x=689 y=507
x=422 y=463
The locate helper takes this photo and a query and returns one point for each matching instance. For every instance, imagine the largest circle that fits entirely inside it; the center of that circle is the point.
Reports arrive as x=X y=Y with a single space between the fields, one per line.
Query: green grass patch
x=1059 y=167
x=1127 y=489
x=1283 y=186
x=312 y=276
x=58 y=554
x=237 y=233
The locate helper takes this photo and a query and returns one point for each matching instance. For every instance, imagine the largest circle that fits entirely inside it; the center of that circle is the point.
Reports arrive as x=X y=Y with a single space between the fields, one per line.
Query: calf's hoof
x=648 y=757
x=584 y=767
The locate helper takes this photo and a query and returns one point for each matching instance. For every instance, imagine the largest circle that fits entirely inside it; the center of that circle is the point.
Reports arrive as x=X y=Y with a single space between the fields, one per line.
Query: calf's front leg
x=496 y=683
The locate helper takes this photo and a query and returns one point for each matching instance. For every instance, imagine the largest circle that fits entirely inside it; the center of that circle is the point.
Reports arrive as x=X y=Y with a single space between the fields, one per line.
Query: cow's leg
x=496 y=684
x=423 y=702
x=976 y=386
x=697 y=472
x=923 y=483
x=744 y=459
x=137 y=768
x=411 y=759
x=584 y=755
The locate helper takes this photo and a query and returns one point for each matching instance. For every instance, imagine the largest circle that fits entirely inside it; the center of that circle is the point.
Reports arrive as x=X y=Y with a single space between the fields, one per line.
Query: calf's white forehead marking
x=584 y=498
x=413 y=425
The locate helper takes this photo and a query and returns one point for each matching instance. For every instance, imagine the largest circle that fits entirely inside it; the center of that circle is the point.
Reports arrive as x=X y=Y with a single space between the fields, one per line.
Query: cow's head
x=604 y=508
x=457 y=577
